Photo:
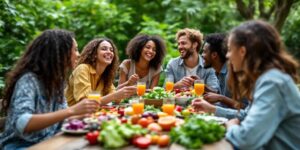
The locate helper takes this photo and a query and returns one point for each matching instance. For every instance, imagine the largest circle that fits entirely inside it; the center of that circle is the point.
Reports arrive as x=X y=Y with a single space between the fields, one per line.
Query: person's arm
x=262 y=120
x=118 y=95
x=155 y=80
x=212 y=82
x=41 y=121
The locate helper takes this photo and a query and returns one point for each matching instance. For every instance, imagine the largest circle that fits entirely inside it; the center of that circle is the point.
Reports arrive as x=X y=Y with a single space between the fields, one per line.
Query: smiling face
x=185 y=47
x=235 y=55
x=105 y=53
x=149 y=51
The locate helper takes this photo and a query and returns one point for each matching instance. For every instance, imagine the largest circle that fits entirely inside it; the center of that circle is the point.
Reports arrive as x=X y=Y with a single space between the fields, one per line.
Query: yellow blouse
x=82 y=81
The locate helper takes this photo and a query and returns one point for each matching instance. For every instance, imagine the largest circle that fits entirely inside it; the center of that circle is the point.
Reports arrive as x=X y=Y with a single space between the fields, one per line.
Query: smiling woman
x=95 y=73
x=146 y=54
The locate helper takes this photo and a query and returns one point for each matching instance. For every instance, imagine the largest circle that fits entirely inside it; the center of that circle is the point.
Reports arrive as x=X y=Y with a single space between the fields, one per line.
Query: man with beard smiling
x=214 y=55
x=189 y=66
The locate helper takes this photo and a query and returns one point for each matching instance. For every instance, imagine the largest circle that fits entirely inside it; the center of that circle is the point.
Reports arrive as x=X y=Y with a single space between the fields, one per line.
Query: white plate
x=81 y=131
x=220 y=120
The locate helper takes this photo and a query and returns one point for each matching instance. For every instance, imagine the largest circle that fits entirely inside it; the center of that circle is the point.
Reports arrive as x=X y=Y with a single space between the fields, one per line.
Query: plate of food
x=75 y=127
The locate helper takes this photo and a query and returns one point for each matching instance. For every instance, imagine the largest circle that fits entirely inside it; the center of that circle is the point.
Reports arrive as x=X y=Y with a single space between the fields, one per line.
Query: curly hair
x=49 y=57
x=217 y=44
x=192 y=34
x=264 y=50
x=88 y=57
x=136 y=45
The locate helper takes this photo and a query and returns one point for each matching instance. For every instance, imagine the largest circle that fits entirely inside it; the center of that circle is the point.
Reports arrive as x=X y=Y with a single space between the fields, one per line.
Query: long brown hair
x=88 y=57
x=264 y=50
x=49 y=58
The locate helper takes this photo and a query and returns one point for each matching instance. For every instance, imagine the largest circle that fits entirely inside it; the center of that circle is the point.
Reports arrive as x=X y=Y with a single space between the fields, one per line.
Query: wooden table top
x=75 y=142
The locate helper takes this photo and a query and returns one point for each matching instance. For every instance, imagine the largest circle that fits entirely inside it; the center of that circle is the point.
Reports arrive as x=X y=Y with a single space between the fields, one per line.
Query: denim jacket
x=28 y=98
x=176 y=71
x=273 y=120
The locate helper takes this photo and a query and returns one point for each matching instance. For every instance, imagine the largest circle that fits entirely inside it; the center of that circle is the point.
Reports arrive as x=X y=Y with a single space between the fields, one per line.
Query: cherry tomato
x=92 y=137
x=143 y=142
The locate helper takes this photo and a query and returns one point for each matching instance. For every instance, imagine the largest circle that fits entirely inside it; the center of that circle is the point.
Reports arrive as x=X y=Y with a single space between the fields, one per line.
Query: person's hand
x=232 y=122
x=185 y=82
x=203 y=105
x=125 y=92
x=85 y=106
x=133 y=79
x=212 y=97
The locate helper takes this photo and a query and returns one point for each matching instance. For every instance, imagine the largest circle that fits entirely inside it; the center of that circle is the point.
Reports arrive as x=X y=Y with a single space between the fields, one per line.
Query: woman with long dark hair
x=262 y=71
x=95 y=73
x=33 y=98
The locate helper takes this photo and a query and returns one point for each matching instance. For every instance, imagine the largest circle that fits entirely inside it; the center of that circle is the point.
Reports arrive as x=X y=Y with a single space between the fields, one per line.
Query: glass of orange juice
x=199 y=87
x=137 y=106
x=168 y=106
x=141 y=89
x=96 y=96
x=169 y=85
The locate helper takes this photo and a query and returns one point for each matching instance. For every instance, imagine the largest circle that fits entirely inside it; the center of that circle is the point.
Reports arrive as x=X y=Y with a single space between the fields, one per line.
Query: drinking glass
x=168 y=106
x=199 y=87
x=169 y=85
x=96 y=96
x=137 y=106
x=141 y=89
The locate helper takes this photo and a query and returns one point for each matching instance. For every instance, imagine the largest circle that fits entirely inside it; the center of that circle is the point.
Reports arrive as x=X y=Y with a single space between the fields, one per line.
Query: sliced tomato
x=143 y=142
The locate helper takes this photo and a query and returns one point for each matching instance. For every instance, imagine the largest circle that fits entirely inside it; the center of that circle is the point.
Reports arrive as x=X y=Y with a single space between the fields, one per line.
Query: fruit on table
x=186 y=113
x=143 y=122
x=143 y=142
x=163 y=140
x=178 y=108
x=167 y=122
x=92 y=137
x=121 y=112
x=154 y=127
x=135 y=119
x=162 y=114
x=123 y=120
x=128 y=111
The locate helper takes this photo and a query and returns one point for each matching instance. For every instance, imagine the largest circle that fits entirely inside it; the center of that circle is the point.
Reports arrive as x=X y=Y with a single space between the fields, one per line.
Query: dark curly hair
x=136 y=45
x=217 y=44
x=88 y=57
x=49 y=58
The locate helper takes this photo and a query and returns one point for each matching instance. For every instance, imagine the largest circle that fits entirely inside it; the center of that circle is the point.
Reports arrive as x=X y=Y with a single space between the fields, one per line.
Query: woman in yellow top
x=95 y=72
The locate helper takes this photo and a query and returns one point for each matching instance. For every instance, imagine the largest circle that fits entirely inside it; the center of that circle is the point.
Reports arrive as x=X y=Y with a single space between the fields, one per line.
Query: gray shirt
x=176 y=71
x=273 y=120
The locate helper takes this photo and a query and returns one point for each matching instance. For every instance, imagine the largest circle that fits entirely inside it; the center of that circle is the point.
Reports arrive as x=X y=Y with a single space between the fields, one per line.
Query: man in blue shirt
x=189 y=66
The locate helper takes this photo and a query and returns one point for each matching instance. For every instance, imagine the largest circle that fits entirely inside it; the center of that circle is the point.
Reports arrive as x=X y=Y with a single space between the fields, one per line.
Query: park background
x=22 y=20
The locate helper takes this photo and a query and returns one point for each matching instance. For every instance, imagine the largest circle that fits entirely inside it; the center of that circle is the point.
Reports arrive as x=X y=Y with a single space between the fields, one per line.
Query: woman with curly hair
x=95 y=72
x=33 y=99
x=146 y=54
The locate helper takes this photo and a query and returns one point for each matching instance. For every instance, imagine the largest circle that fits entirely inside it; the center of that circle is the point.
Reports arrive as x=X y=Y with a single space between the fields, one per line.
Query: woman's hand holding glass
x=85 y=106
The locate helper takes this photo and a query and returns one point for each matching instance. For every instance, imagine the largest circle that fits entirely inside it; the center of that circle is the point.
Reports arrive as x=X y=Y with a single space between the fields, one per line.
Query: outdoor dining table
x=71 y=142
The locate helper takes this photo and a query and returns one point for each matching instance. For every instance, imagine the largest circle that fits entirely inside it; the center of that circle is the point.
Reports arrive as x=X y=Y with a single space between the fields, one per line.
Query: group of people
x=249 y=78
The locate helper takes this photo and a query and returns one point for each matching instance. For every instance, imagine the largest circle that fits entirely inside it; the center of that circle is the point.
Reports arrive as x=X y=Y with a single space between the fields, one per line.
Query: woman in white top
x=146 y=54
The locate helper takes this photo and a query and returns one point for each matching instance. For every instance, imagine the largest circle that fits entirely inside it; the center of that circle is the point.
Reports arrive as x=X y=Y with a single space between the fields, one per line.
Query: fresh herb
x=158 y=93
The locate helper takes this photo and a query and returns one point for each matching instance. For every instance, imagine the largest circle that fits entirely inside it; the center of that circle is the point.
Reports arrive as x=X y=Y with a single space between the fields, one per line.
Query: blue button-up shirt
x=176 y=71
x=273 y=120
x=222 y=79
x=28 y=98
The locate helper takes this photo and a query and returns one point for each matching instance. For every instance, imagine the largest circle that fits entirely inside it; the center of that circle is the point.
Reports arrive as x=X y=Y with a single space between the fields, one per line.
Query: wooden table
x=71 y=142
